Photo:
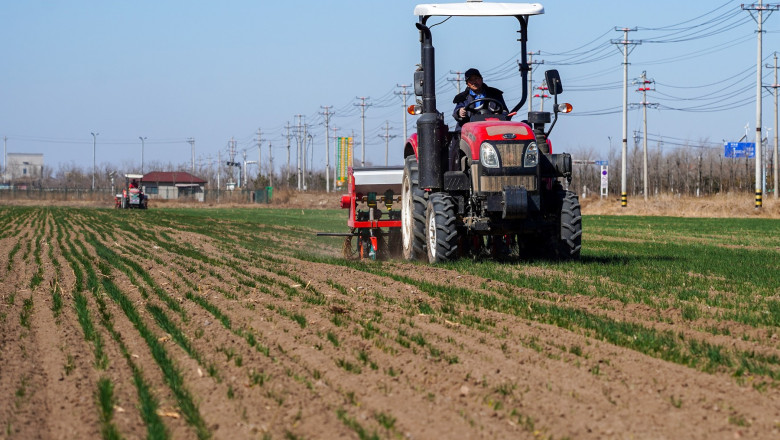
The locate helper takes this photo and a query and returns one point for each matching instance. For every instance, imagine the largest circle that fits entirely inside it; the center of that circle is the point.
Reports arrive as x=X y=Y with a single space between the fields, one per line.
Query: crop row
x=295 y=321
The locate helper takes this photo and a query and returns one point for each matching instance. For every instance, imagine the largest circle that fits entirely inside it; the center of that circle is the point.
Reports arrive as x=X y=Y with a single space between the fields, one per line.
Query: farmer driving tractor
x=477 y=99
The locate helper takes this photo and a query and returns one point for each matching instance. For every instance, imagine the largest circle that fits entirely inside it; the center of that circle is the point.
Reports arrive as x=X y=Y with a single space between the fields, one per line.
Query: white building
x=23 y=167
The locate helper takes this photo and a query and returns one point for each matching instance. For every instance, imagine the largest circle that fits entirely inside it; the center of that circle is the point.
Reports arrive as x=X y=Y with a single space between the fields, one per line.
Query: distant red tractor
x=132 y=196
x=508 y=189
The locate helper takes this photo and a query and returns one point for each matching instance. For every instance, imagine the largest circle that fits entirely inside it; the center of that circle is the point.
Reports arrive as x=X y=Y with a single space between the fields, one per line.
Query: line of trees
x=69 y=176
x=693 y=170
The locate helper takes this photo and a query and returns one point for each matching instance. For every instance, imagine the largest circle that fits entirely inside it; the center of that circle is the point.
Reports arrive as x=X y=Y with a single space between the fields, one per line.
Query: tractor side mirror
x=418 y=83
x=553 y=82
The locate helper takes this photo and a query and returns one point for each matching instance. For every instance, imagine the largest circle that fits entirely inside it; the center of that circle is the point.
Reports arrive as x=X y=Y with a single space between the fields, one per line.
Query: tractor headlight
x=488 y=156
x=531 y=158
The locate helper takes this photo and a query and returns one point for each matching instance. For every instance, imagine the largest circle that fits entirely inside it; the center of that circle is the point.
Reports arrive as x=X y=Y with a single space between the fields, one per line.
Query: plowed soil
x=267 y=345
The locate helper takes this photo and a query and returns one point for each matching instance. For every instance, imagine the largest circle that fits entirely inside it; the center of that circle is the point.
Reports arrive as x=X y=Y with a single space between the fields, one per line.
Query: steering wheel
x=486 y=109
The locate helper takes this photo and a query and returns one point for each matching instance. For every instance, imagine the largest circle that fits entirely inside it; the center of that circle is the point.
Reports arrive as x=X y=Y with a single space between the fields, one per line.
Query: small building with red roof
x=168 y=185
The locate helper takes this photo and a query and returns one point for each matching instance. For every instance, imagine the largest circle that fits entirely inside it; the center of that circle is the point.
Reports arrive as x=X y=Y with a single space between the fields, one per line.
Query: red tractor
x=132 y=196
x=508 y=191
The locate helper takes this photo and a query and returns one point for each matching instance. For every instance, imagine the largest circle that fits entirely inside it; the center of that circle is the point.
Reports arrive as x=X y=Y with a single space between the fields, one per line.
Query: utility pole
x=143 y=138
x=219 y=165
x=327 y=115
x=404 y=93
x=243 y=164
x=304 y=150
x=233 y=160
x=387 y=136
x=336 y=163
x=542 y=95
x=287 y=178
x=457 y=78
x=309 y=145
x=773 y=88
x=5 y=157
x=271 y=166
x=259 y=154
x=363 y=106
x=94 y=144
x=644 y=89
x=298 y=151
x=191 y=141
x=628 y=47
x=531 y=64
x=759 y=18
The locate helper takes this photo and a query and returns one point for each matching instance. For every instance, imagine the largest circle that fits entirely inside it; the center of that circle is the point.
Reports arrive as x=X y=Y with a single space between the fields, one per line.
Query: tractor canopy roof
x=476 y=8
x=134 y=176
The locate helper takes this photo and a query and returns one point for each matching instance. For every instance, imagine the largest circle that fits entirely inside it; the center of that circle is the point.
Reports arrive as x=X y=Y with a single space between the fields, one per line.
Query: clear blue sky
x=209 y=70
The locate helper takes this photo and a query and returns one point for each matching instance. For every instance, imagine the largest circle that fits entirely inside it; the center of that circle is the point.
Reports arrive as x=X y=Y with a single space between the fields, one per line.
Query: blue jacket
x=465 y=98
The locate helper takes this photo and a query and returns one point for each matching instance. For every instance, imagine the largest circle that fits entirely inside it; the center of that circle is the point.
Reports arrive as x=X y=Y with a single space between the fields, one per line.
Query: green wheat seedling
x=27 y=248
x=338 y=287
x=14 y=250
x=26 y=313
x=348 y=366
x=90 y=334
x=297 y=317
x=172 y=329
x=171 y=374
x=131 y=268
x=247 y=334
x=37 y=277
x=333 y=338
x=385 y=420
x=148 y=404
x=105 y=397
x=258 y=378
x=354 y=425
x=657 y=343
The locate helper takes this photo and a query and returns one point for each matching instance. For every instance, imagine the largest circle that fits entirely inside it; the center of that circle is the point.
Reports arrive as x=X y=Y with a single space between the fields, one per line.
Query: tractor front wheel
x=412 y=213
x=441 y=225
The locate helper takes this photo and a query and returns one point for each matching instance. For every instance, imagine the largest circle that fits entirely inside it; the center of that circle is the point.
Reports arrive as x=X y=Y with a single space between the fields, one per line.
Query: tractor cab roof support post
x=524 y=67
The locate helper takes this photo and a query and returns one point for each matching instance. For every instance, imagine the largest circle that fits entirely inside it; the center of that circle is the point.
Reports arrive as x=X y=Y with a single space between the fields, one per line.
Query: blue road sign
x=601 y=162
x=739 y=149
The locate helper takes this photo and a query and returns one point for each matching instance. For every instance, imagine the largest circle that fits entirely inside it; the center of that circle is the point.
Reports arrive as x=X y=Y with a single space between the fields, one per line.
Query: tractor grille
x=497 y=183
x=511 y=154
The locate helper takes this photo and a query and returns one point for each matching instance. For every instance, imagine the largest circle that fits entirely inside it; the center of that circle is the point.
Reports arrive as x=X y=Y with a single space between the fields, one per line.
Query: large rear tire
x=441 y=226
x=570 y=240
x=412 y=213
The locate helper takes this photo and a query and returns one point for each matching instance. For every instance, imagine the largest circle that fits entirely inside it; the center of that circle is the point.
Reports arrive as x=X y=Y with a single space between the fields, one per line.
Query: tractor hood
x=478 y=9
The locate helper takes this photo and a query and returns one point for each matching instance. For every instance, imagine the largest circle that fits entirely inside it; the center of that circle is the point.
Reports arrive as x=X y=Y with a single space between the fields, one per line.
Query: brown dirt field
x=337 y=352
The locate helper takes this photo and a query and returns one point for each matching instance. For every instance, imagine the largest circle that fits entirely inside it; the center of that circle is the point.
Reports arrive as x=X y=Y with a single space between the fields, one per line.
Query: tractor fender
x=411 y=146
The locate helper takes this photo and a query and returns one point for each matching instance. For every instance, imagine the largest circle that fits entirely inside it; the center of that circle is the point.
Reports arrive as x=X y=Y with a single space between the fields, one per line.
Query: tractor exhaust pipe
x=431 y=130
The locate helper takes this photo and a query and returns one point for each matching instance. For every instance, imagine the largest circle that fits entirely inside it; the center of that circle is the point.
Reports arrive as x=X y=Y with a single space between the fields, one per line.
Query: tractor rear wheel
x=441 y=225
x=569 y=242
x=413 y=207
